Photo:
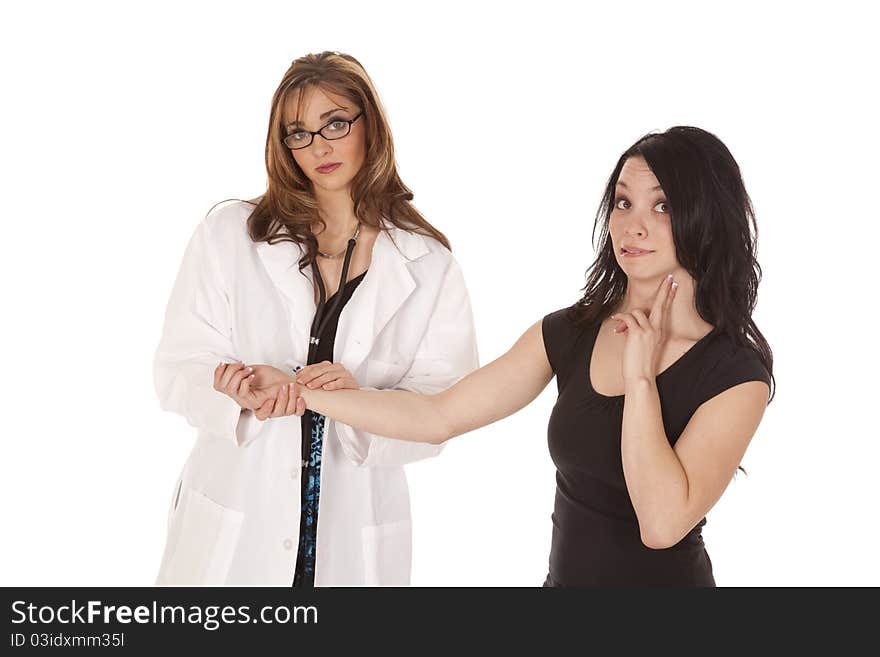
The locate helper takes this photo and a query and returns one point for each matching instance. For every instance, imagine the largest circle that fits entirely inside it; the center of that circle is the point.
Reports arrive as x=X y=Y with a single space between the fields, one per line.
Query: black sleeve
x=736 y=365
x=559 y=341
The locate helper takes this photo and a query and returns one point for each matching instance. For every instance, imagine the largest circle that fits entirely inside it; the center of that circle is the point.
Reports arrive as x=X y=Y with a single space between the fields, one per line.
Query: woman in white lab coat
x=255 y=504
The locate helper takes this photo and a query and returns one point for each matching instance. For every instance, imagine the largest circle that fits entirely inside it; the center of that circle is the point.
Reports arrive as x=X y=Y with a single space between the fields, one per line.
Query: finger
x=218 y=374
x=640 y=316
x=235 y=381
x=327 y=377
x=244 y=386
x=620 y=325
x=660 y=300
x=231 y=370
x=244 y=391
x=300 y=406
x=281 y=401
x=308 y=374
x=344 y=383
x=290 y=409
x=667 y=306
x=628 y=320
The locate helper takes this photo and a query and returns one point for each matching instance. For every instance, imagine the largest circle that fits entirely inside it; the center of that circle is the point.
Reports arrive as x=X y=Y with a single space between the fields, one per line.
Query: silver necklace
x=331 y=256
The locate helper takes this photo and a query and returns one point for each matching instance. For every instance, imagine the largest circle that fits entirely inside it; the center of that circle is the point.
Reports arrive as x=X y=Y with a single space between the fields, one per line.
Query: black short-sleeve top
x=596 y=539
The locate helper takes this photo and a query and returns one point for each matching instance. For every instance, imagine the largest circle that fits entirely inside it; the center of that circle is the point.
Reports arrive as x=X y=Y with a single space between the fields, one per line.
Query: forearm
x=656 y=481
x=391 y=413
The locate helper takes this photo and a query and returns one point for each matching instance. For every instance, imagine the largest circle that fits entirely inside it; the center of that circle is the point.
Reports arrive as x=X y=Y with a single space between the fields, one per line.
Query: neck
x=337 y=211
x=684 y=320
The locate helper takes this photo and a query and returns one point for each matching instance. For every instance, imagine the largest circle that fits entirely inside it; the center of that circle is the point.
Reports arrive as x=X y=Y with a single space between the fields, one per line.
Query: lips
x=329 y=167
x=633 y=252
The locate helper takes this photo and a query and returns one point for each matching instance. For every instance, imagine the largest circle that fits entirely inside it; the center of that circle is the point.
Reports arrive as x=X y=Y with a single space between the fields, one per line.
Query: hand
x=281 y=399
x=235 y=380
x=286 y=402
x=327 y=376
x=645 y=334
x=269 y=379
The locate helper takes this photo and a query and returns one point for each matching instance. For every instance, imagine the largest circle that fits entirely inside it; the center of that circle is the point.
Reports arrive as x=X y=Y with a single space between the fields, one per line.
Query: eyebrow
x=322 y=117
x=655 y=188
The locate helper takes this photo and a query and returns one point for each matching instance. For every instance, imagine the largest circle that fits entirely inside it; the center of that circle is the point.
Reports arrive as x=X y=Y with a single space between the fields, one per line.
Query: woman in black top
x=663 y=377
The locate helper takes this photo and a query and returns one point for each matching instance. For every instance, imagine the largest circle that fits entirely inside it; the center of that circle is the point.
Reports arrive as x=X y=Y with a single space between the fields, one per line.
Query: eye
x=662 y=206
x=336 y=127
x=621 y=203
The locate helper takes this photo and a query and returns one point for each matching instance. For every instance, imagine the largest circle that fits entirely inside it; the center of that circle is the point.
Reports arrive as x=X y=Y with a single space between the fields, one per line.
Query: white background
x=123 y=123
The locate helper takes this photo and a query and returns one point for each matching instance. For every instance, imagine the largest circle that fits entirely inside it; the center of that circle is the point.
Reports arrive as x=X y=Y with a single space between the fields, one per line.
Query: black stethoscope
x=322 y=313
x=319 y=323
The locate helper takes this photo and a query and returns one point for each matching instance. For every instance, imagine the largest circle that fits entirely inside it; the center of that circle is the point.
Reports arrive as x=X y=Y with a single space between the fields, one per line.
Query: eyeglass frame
x=312 y=133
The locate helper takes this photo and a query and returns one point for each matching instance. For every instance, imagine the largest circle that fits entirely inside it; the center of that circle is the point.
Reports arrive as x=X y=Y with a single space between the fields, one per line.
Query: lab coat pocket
x=387 y=553
x=205 y=543
x=383 y=375
x=175 y=501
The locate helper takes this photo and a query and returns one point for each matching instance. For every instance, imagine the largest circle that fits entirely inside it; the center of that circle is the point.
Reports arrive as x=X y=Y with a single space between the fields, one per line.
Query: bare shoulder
x=746 y=400
x=529 y=348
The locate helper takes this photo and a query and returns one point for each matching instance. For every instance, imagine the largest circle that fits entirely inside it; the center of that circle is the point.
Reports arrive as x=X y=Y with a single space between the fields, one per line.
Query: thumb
x=265 y=409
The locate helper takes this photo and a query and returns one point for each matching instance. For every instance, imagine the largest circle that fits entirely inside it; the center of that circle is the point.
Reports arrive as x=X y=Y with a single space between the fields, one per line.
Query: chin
x=328 y=186
x=637 y=273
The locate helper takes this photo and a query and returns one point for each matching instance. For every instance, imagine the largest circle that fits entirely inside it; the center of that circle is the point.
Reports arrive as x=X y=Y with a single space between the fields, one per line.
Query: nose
x=320 y=147
x=635 y=226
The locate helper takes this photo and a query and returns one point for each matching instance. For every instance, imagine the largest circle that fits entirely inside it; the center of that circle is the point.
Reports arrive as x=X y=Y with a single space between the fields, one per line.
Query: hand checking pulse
x=278 y=393
x=236 y=380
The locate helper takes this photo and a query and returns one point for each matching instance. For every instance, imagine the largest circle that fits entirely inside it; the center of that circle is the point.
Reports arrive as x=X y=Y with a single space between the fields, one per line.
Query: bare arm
x=487 y=395
x=672 y=488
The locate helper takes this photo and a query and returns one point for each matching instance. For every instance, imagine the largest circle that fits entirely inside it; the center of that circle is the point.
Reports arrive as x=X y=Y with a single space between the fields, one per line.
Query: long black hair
x=713 y=228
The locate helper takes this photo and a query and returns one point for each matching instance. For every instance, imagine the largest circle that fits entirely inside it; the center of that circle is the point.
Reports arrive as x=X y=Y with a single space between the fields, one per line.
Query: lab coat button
x=288 y=544
x=294 y=473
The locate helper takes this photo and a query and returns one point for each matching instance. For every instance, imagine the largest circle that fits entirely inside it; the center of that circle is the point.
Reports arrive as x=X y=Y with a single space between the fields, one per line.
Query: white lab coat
x=235 y=510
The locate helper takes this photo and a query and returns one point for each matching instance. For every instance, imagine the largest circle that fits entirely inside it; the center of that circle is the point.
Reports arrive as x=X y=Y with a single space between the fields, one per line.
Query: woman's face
x=329 y=164
x=640 y=225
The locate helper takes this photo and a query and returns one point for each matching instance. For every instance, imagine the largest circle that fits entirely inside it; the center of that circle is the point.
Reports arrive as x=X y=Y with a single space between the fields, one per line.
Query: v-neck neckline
x=670 y=368
x=357 y=278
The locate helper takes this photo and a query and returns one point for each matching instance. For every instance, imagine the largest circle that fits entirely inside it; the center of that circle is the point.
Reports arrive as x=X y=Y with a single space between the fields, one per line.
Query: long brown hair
x=378 y=193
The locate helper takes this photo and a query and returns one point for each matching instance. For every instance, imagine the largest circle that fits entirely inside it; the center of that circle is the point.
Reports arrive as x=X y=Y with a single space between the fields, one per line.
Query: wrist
x=304 y=392
x=638 y=382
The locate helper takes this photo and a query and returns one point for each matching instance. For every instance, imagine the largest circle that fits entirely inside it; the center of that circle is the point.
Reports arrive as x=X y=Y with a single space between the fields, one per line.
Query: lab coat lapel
x=281 y=261
x=387 y=285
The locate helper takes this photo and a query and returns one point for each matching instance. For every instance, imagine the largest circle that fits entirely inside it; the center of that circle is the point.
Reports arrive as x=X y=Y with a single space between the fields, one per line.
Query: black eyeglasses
x=336 y=129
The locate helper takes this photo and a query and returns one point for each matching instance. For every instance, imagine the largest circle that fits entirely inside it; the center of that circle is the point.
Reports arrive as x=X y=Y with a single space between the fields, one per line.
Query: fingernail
x=252 y=376
x=669 y=277
x=674 y=285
